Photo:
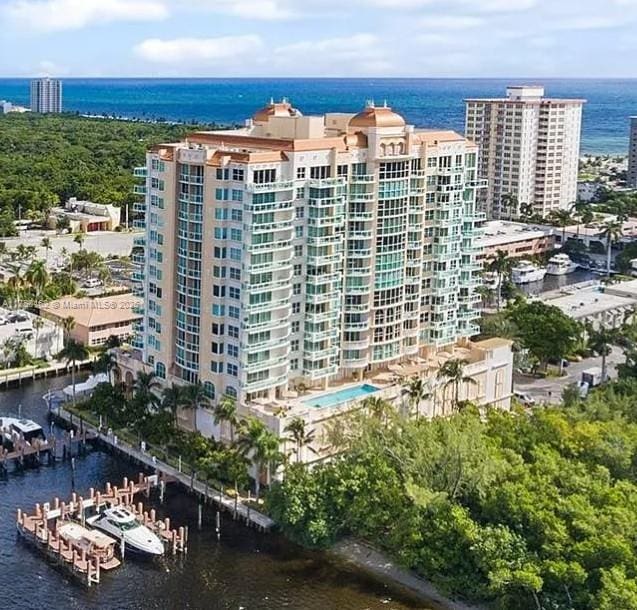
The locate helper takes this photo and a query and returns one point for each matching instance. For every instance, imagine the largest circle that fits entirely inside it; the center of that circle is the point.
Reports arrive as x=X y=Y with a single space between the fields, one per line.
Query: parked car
x=523 y=398
x=92 y=283
x=592 y=376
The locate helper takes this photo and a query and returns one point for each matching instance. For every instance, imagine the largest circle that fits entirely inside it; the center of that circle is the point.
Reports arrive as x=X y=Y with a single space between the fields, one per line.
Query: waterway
x=555 y=282
x=244 y=570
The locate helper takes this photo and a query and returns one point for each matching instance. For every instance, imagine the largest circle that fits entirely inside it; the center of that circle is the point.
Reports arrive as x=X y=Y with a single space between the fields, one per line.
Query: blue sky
x=577 y=38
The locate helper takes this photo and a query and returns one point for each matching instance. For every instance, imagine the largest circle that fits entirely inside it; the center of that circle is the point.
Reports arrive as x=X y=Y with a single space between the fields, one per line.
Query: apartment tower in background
x=529 y=151
x=307 y=249
x=632 y=154
x=46 y=95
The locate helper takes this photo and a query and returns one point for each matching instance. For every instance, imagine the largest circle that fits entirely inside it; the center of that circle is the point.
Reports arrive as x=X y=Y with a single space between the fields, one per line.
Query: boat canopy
x=88 y=386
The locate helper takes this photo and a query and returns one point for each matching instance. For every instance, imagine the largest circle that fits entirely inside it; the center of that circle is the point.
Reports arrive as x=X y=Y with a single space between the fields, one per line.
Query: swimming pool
x=336 y=398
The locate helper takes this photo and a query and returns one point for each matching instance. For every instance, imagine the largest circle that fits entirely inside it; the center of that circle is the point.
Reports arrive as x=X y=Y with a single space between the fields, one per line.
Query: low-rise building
x=516 y=239
x=97 y=319
x=591 y=303
x=589 y=191
x=489 y=363
x=86 y=216
x=592 y=233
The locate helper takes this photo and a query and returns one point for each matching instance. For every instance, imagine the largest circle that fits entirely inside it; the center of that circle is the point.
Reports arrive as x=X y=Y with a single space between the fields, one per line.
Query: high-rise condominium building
x=529 y=151
x=46 y=95
x=632 y=153
x=307 y=249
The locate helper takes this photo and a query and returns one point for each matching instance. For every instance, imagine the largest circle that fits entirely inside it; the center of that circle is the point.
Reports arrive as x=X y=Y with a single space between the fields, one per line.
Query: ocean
x=423 y=102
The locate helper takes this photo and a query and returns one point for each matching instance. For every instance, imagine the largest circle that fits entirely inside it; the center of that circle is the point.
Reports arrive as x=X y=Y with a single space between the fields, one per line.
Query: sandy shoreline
x=368 y=558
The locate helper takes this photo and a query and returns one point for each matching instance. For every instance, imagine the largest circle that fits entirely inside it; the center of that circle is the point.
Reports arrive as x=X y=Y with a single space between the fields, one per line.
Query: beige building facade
x=306 y=254
x=529 y=151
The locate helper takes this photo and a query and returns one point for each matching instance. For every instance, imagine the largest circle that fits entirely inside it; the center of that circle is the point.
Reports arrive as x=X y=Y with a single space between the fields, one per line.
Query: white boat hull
x=555 y=270
x=142 y=541
x=529 y=278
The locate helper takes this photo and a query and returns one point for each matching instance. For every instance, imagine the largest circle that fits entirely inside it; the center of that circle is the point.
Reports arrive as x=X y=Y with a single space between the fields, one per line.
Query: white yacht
x=526 y=272
x=560 y=264
x=120 y=523
x=13 y=429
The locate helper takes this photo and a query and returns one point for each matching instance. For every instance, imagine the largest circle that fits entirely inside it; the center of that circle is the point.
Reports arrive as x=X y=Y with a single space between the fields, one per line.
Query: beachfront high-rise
x=632 y=153
x=529 y=151
x=46 y=95
x=307 y=249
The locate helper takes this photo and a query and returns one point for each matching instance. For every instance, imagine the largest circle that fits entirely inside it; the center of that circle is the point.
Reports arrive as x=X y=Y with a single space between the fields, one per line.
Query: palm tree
x=378 y=407
x=68 y=324
x=194 y=396
x=15 y=284
x=452 y=372
x=261 y=446
x=509 y=201
x=612 y=231
x=500 y=265
x=172 y=400
x=226 y=410
x=38 y=325
x=300 y=436
x=418 y=390
x=79 y=240
x=72 y=352
x=38 y=276
x=105 y=364
x=46 y=244
x=601 y=341
x=526 y=210
x=563 y=219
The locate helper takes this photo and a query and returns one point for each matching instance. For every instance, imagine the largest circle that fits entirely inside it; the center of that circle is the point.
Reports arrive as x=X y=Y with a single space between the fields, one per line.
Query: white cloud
x=348 y=56
x=50 y=68
x=495 y=6
x=197 y=51
x=589 y=23
x=450 y=22
x=54 y=15
x=259 y=10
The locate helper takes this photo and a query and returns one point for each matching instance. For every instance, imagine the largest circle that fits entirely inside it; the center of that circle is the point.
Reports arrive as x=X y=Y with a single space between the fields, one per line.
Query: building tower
x=632 y=154
x=529 y=151
x=46 y=95
x=307 y=249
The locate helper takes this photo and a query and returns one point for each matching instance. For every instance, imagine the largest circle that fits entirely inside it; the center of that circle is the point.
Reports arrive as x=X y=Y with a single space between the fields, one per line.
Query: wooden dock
x=202 y=490
x=89 y=552
x=32 y=373
x=47 y=451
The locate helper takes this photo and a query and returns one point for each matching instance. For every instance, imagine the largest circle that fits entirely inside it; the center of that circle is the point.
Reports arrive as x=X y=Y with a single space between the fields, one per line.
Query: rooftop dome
x=377 y=116
x=282 y=108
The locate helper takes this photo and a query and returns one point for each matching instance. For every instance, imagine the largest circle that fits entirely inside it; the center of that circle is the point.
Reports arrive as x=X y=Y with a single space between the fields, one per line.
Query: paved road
x=551 y=388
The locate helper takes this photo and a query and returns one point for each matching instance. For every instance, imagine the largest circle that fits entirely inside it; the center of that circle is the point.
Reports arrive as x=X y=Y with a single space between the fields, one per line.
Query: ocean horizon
x=424 y=102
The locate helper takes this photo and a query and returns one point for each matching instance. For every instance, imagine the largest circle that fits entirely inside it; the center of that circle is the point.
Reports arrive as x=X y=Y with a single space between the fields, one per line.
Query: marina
x=242 y=568
x=63 y=532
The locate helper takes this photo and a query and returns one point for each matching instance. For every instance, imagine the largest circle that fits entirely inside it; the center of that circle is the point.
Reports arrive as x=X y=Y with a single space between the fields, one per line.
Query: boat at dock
x=561 y=264
x=92 y=542
x=122 y=524
x=15 y=432
x=525 y=272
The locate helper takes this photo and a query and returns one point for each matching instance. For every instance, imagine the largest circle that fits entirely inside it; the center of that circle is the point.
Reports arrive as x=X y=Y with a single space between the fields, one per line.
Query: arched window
x=230 y=391
x=209 y=389
x=160 y=370
x=383 y=150
x=392 y=149
x=401 y=148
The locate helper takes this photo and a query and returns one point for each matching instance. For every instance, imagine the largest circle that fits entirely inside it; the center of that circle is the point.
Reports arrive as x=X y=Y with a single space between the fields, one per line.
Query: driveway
x=551 y=388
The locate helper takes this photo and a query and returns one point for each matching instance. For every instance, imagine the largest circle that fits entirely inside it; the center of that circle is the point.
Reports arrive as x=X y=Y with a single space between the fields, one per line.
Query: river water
x=245 y=570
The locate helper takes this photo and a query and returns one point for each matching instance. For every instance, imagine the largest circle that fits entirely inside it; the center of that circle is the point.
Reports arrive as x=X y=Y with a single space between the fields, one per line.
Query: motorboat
x=525 y=272
x=16 y=430
x=90 y=541
x=491 y=280
x=561 y=264
x=122 y=524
